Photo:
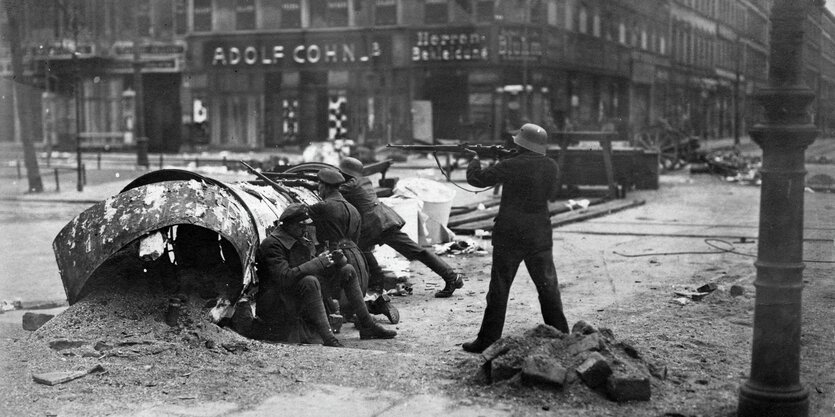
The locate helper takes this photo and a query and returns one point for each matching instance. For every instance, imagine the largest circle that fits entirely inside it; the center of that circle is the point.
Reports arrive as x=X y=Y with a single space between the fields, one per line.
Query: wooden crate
x=636 y=168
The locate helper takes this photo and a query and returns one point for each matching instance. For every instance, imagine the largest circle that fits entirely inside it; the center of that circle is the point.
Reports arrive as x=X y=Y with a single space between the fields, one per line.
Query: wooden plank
x=597 y=211
x=459 y=210
x=55 y=378
x=486 y=223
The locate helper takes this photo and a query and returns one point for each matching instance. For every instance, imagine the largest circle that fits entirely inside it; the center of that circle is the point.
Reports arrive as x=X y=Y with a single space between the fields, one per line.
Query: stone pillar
x=774 y=387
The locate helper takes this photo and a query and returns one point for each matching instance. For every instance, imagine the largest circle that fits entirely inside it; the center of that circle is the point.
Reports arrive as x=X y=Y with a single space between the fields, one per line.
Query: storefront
x=470 y=83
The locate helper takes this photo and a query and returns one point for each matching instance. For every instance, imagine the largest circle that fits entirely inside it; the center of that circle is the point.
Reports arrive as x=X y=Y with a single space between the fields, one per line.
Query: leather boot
x=476 y=346
x=375 y=331
x=451 y=286
x=382 y=305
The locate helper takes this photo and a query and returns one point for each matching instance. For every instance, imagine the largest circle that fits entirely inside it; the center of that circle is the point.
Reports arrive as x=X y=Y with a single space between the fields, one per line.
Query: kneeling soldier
x=290 y=303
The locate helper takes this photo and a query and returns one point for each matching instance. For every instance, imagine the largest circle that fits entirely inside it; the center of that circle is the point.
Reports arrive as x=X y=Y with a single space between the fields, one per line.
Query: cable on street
x=714 y=243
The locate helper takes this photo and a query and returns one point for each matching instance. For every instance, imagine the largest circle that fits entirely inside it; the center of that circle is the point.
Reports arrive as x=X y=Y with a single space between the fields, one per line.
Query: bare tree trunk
x=14 y=12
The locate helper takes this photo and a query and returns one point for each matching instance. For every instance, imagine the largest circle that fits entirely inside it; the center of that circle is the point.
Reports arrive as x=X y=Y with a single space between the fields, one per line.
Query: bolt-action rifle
x=484 y=151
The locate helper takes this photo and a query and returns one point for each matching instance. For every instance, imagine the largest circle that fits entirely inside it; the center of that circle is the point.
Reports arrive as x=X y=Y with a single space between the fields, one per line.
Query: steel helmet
x=351 y=166
x=532 y=138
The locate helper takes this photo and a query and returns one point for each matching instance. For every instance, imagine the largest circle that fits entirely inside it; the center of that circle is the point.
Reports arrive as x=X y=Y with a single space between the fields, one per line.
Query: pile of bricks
x=544 y=356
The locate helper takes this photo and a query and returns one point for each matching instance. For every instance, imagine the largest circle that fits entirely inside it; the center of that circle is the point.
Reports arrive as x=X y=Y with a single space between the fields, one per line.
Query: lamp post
x=78 y=99
x=774 y=388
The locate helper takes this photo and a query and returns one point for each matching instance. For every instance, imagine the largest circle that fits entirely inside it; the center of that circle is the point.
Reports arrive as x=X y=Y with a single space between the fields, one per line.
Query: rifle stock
x=487 y=151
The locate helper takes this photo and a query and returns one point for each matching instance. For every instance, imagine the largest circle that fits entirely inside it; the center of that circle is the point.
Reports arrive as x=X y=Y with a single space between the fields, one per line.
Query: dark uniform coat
x=282 y=260
x=522 y=233
x=338 y=223
x=376 y=216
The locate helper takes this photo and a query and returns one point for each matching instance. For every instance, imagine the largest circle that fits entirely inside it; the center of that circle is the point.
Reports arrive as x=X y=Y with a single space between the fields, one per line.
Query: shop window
x=245 y=14
x=202 y=15
x=102 y=104
x=180 y=17
x=436 y=12
x=485 y=11
x=385 y=12
x=291 y=14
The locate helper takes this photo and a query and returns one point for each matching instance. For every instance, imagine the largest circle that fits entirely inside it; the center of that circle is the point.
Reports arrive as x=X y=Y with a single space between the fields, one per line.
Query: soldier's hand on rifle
x=472 y=153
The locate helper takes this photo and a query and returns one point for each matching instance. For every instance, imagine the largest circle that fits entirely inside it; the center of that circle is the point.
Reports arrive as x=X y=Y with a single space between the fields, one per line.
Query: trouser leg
x=505 y=264
x=407 y=247
x=310 y=305
x=346 y=278
x=544 y=275
x=375 y=271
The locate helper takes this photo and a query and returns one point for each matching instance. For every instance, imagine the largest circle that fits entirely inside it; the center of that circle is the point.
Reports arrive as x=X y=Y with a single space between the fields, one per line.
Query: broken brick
x=504 y=367
x=540 y=369
x=497 y=349
x=594 y=371
x=62 y=344
x=581 y=327
x=589 y=342
x=545 y=331
x=737 y=290
x=709 y=287
x=622 y=388
x=33 y=321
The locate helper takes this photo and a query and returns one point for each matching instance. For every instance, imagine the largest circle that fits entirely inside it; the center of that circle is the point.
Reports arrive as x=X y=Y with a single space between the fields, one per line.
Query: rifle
x=270 y=182
x=486 y=151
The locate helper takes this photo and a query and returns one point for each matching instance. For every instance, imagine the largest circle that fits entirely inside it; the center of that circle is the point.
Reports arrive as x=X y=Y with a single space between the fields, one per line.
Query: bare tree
x=22 y=99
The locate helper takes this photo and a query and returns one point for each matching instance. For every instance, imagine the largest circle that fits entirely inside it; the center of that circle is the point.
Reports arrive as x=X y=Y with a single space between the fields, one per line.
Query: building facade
x=261 y=74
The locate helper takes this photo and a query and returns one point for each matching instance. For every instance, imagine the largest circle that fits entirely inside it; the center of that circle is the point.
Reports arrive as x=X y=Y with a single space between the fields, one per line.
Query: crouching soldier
x=290 y=303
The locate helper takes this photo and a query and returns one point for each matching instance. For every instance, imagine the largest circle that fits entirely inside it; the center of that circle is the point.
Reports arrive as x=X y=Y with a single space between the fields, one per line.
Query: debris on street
x=55 y=378
x=459 y=247
x=33 y=321
x=546 y=357
x=733 y=166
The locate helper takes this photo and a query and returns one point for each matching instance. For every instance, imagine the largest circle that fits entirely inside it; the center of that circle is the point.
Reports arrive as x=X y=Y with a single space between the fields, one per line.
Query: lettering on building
x=449 y=46
x=301 y=54
x=516 y=44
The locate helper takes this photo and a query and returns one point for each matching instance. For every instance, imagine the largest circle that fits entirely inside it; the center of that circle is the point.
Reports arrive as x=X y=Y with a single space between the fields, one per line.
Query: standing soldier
x=338 y=226
x=522 y=231
x=381 y=226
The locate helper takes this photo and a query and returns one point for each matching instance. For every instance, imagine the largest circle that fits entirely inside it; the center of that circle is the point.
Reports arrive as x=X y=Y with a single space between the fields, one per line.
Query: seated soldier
x=290 y=303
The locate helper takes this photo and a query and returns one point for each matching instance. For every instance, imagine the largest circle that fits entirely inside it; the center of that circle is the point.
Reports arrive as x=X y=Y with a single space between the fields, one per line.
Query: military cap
x=351 y=166
x=295 y=213
x=330 y=176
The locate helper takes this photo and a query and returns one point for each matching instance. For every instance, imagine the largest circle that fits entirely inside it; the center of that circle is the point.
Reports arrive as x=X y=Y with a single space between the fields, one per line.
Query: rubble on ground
x=733 y=166
x=588 y=357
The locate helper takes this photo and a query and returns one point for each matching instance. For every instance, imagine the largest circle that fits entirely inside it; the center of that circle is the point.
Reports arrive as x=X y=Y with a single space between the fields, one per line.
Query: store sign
x=263 y=52
x=126 y=48
x=449 y=45
x=520 y=44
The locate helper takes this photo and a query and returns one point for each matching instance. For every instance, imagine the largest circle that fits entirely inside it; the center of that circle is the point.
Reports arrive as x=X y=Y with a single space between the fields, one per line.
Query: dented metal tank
x=240 y=212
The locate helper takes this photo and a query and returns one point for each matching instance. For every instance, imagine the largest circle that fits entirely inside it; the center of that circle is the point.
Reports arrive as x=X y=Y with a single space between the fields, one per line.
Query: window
x=291 y=14
x=180 y=17
x=245 y=14
x=622 y=33
x=582 y=25
x=328 y=13
x=644 y=43
x=436 y=11
x=143 y=18
x=385 y=12
x=202 y=15
x=485 y=11
x=595 y=26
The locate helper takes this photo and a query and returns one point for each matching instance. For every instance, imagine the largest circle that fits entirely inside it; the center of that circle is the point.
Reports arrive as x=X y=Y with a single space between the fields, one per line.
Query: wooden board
x=609 y=207
x=483 y=220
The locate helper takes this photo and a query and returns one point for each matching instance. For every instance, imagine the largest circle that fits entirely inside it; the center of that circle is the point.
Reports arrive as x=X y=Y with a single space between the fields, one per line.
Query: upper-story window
x=436 y=11
x=202 y=15
x=622 y=33
x=291 y=14
x=328 y=13
x=385 y=12
x=245 y=14
x=582 y=24
x=595 y=27
x=143 y=18
x=644 y=40
x=180 y=17
x=485 y=10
